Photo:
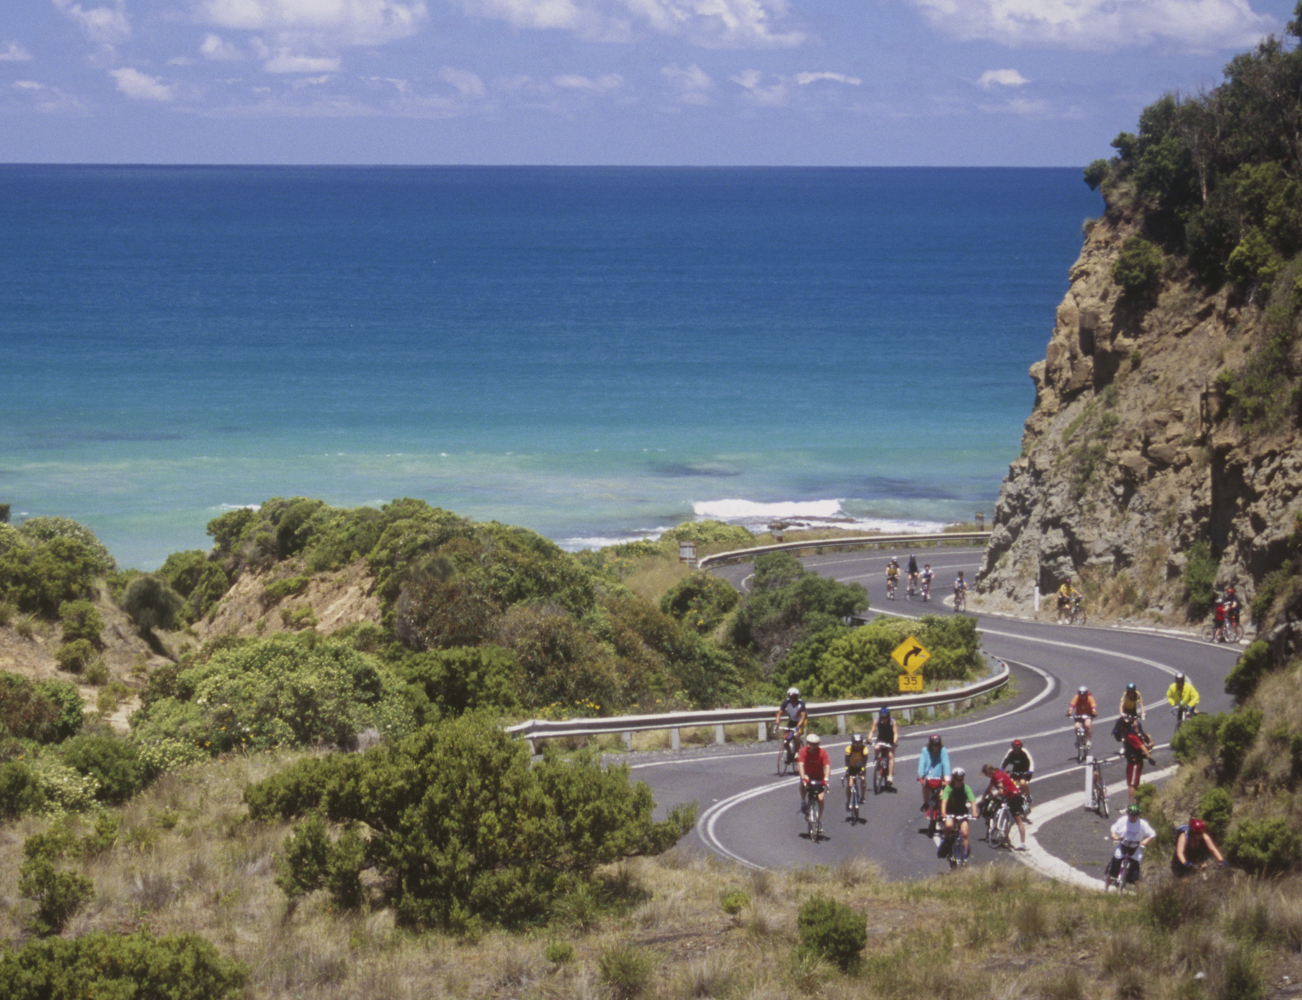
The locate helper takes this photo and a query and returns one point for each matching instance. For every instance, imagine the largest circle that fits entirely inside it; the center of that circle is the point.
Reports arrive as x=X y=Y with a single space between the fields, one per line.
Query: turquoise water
x=592 y=353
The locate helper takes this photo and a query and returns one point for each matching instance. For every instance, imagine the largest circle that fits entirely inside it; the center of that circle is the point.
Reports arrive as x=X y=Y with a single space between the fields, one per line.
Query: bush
x=80 y=620
x=1235 y=736
x=451 y=682
x=74 y=656
x=833 y=931
x=715 y=534
x=152 y=604
x=1215 y=807
x=38 y=578
x=627 y=970
x=1264 y=846
x=1255 y=662
x=48 y=529
x=59 y=895
x=1138 y=267
x=113 y=762
x=1096 y=174
x=1197 y=737
x=140 y=966
x=700 y=601
x=466 y=828
x=200 y=582
x=20 y=791
x=1199 y=579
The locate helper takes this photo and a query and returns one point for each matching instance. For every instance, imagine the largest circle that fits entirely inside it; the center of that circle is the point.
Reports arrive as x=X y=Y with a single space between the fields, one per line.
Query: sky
x=619 y=82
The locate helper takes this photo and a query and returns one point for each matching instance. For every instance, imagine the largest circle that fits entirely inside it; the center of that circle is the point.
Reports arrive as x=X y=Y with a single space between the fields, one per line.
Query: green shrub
x=626 y=969
x=113 y=762
x=48 y=529
x=20 y=791
x=833 y=931
x=1235 y=737
x=139 y=966
x=1264 y=846
x=25 y=712
x=734 y=901
x=74 y=656
x=1255 y=662
x=152 y=604
x=278 y=590
x=1197 y=737
x=1215 y=807
x=451 y=682
x=559 y=952
x=37 y=578
x=716 y=534
x=1253 y=261
x=1138 y=267
x=71 y=710
x=1096 y=174
x=59 y=895
x=80 y=620
x=700 y=601
x=1199 y=579
x=200 y=582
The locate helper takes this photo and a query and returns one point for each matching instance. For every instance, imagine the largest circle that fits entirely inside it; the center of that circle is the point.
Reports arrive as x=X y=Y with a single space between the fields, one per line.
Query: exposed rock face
x=1130 y=455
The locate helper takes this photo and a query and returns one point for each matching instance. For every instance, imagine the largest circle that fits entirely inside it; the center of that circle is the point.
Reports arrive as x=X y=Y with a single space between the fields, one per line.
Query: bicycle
x=814 y=812
x=1233 y=630
x=787 y=753
x=1121 y=880
x=999 y=820
x=933 y=811
x=952 y=849
x=856 y=796
x=1082 y=740
x=890 y=588
x=881 y=769
x=1076 y=615
x=926 y=589
x=960 y=599
x=1182 y=712
x=1215 y=632
x=913 y=584
x=1023 y=783
x=1100 y=803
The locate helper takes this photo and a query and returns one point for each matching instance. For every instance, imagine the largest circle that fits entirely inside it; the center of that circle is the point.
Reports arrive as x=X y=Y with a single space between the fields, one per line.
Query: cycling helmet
x=1229 y=590
x=1067 y=580
x=857 y=739
x=958 y=774
x=933 y=740
x=793 y=693
x=1082 y=690
x=1130 y=686
x=1134 y=809
x=1197 y=826
x=1179 y=678
x=813 y=739
x=1017 y=744
x=885 y=713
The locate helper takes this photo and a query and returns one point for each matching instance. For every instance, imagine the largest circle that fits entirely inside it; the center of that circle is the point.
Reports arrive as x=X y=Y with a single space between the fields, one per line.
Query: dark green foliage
x=626 y=969
x=227 y=530
x=700 y=601
x=1241 y=977
x=562 y=663
x=1274 y=584
x=1096 y=174
x=200 y=581
x=1138 y=268
x=454 y=681
x=26 y=713
x=833 y=931
x=80 y=620
x=152 y=604
x=41 y=576
x=278 y=590
x=1199 y=578
x=1255 y=662
x=43 y=530
x=120 y=966
x=289 y=690
x=1265 y=846
x=20 y=791
x=1215 y=807
x=71 y=711
x=1235 y=737
x=717 y=535
x=75 y=656
x=465 y=829
x=113 y=762
x=787 y=602
x=59 y=894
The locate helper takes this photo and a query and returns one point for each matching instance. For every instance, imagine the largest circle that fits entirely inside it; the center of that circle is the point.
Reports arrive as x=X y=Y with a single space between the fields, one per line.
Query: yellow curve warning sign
x=911 y=655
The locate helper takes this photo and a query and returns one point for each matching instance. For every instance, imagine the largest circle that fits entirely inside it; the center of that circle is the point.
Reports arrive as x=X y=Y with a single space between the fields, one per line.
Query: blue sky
x=757 y=82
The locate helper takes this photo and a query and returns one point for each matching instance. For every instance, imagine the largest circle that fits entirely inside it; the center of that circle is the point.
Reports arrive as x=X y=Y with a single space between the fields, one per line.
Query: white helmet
x=813 y=739
x=793 y=693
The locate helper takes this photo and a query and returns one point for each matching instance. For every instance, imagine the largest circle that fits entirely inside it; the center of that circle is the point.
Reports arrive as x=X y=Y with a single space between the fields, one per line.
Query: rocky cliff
x=1133 y=454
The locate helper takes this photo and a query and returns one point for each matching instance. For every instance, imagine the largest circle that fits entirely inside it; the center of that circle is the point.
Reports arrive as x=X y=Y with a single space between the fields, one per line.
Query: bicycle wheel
x=1100 y=793
x=1004 y=821
x=879 y=777
x=854 y=804
x=994 y=833
x=960 y=602
x=782 y=760
x=1235 y=632
x=1080 y=746
x=1209 y=634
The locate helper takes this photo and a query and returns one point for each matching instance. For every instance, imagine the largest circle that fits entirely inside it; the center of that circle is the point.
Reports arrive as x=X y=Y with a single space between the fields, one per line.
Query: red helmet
x=1017 y=744
x=1197 y=826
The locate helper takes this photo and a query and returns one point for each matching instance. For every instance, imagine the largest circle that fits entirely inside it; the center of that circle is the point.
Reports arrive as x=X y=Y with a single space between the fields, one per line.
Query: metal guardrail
x=675 y=722
x=831 y=543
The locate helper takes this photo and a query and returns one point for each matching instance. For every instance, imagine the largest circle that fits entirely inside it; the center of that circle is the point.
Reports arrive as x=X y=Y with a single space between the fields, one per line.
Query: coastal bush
x=113 y=762
x=561 y=662
x=1138 y=267
x=80 y=620
x=1196 y=738
x=152 y=604
x=437 y=802
x=1265 y=846
x=1235 y=737
x=1096 y=174
x=715 y=535
x=58 y=894
x=27 y=711
x=20 y=791
x=39 y=577
x=74 y=656
x=1216 y=807
x=700 y=601
x=44 y=530
x=832 y=931
x=1255 y=662
x=139 y=966
x=1199 y=578
x=200 y=581
x=449 y=683
x=287 y=691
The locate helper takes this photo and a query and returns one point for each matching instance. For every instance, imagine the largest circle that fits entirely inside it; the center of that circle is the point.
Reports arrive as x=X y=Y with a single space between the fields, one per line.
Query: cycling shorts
x=855 y=768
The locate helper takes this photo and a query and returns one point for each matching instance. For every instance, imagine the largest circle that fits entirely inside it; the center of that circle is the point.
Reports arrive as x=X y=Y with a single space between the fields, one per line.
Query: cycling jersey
x=1136 y=829
x=913 y=565
x=934 y=766
x=856 y=756
x=1187 y=696
x=883 y=732
x=1132 y=703
x=1018 y=761
x=1006 y=784
x=892 y=571
x=971 y=796
x=816 y=761
x=1084 y=706
x=793 y=710
x=927 y=575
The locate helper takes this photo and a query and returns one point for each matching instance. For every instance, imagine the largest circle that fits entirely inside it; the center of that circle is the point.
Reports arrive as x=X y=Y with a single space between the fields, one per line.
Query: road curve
x=750 y=815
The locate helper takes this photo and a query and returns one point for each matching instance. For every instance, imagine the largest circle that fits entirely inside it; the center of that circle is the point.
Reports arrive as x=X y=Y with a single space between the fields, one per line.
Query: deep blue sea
x=596 y=354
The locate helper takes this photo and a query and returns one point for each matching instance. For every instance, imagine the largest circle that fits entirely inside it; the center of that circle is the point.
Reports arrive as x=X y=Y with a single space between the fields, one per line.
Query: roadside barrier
x=840 y=543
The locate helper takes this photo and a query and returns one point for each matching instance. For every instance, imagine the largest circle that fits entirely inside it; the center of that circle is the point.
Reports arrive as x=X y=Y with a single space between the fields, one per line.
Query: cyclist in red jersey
x=813 y=764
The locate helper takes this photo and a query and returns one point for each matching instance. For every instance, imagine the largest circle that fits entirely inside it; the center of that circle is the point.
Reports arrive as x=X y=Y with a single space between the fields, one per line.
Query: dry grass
x=188 y=860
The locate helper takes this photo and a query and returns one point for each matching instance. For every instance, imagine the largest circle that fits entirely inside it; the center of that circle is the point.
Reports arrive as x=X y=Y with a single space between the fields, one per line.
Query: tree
x=1138 y=267
x=152 y=604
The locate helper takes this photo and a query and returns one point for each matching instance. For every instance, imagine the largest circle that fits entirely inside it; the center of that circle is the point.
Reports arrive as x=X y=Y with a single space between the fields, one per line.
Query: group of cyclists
x=959 y=803
x=919 y=581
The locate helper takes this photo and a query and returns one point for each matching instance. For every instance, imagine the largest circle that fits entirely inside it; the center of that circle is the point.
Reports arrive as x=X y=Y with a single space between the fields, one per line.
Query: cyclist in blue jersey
x=933 y=767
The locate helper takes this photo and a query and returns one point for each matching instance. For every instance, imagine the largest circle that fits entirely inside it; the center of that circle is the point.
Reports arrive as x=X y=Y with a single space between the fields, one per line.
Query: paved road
x=749 y=814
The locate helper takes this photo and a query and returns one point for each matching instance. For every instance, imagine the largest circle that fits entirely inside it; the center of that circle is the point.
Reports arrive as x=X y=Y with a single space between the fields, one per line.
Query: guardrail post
x=718 y=735
x=675 y=739
x=628 y=741
x=840 y=724
x=763 y=733
x=1089 y=782
x=908 y=714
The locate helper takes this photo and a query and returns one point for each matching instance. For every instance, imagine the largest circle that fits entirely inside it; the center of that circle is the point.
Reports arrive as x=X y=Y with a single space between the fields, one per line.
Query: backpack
x=1119 y=730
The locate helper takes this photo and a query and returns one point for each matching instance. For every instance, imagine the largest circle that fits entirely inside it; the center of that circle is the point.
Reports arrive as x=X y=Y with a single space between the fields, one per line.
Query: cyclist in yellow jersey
x=856 y=762
x=1182 y=692
x=1066 y=594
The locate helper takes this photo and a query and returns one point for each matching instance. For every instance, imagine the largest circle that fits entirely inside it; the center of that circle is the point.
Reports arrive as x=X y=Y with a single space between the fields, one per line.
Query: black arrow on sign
x=911 y=653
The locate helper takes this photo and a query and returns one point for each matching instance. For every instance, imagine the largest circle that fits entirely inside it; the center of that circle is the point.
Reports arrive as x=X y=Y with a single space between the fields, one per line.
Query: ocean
x=594 y=353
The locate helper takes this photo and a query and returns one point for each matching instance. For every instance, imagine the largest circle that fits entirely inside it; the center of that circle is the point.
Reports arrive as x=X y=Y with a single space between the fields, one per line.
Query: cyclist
x=1020 y=765
x=1218 y=630
x=960 y=588
x=1232 y=606
x=1066 y=594
x=913 y=574
x=1084 y=705
x=1193 y=844
x=1132 y=707
x=793 y=710
x=892 y=577
x=1003 y=786
x=812 y=764
x=885 y=732
x=958 y=806
x=933 y=767
x=856 y=762
x=927 y=577
x=1134 y=828
x=1135 y=750
x=1182 y=692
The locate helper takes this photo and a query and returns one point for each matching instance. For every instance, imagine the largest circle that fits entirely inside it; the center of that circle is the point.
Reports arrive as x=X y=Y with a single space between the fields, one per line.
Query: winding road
x=750 y=815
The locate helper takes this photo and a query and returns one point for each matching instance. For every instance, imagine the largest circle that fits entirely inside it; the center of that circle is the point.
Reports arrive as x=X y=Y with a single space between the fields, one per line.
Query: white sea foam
x=750 y=510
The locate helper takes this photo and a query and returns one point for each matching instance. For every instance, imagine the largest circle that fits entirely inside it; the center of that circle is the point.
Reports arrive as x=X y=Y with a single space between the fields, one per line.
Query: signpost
x=911 y=655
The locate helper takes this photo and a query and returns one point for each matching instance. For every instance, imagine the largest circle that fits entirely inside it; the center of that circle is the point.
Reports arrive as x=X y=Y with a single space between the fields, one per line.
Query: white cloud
x=325 y=24
x=715 y=24
x=805 y=79
x=1002 y=78
x=1100 y=25
x=215 y=49
x=14 y=52
x=27 y=85
x=466 y=82
x=572 y=81
x=750 y=81
x=102 y=25
x=285 y=61
x=693 y=83
x=135 y=84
